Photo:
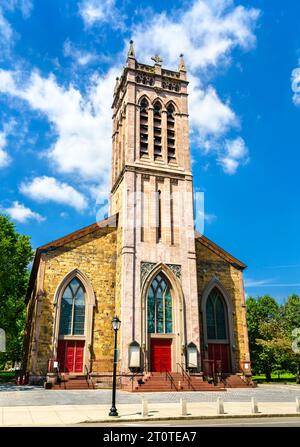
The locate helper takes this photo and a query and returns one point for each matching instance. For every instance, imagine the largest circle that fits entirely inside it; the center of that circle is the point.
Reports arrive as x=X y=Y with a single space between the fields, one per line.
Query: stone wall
x=209 y=266
x=95 y=256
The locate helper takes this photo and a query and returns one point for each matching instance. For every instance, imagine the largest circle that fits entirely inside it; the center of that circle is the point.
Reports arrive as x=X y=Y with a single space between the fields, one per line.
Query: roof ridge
x=219 y=250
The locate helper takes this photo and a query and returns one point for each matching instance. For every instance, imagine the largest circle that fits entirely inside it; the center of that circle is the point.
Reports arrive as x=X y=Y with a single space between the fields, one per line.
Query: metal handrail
x=132 y=377
x=186 y=376
x=169 y=376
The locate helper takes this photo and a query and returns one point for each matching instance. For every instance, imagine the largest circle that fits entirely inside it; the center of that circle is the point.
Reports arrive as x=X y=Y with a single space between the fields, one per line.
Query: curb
x=202 y=417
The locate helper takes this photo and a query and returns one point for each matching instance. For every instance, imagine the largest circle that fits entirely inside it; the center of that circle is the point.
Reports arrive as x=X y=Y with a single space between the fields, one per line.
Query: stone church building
x=179 y=296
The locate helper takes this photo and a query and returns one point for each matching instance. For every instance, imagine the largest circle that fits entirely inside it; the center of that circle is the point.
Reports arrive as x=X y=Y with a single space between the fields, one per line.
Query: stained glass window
x=72 y=313
x=216 y=316
x=159 y=305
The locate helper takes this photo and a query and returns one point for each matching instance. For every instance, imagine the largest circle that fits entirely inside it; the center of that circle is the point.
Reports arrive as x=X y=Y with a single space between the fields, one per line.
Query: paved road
x=244 y=422
x=11 y=396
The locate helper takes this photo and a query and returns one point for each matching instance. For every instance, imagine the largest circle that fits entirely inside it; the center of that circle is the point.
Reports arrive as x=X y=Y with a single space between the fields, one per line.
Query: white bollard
x=144 y=408
x=297 y=404
x=183 y=408
x=254 y=406
x=220 y=406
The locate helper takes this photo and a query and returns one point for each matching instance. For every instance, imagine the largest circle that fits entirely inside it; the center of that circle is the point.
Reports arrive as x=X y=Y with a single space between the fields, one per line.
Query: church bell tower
x=152 y=192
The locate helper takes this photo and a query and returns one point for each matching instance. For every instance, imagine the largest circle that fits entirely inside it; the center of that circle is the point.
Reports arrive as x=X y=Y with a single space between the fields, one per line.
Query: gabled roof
x=219 y=251
x=110 y=222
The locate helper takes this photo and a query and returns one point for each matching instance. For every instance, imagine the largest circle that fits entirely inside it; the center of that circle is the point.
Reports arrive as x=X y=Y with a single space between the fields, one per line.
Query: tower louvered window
x=171 y=132
x=144 y=127
x=157 y=130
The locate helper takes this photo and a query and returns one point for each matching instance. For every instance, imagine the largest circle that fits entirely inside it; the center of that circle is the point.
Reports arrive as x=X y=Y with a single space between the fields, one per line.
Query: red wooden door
x=219 y=353
x=160 y=354
x=70 y=356
x=79 y=351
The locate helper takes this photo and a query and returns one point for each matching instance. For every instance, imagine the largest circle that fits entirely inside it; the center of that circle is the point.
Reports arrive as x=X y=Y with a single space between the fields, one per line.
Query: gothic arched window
x=216 y=316
x=171 y=132
x=72 y=312
x=157 y=129
x=144 y=127
x=159 y=304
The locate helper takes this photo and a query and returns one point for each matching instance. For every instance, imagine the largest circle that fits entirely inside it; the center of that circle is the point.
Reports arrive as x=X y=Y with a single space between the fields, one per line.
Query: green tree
x=291 y=318
x=261 y=312
x=274 y=347
x=15 y=255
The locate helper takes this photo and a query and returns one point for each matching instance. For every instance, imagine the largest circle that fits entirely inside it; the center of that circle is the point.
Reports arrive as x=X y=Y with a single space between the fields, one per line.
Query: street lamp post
x=116 y=326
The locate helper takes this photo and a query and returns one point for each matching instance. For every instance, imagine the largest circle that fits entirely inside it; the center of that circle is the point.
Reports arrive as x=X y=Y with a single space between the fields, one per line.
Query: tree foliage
x=271 y=336
x=15 y=255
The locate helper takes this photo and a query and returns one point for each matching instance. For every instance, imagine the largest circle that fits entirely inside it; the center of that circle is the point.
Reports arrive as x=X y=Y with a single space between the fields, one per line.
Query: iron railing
x=186 y=376
x=169 y=377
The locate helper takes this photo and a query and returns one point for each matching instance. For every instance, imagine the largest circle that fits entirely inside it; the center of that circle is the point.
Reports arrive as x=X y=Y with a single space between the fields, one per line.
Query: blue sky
x=58 y=63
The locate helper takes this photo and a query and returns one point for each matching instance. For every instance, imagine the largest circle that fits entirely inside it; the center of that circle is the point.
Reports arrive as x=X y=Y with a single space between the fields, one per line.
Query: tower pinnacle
x=181 y=66
x=131 y=50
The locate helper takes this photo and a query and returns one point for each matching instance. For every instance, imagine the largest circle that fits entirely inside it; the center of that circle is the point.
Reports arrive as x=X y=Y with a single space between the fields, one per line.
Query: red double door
x=160 y=357
x=219 y=353
x=70 y=356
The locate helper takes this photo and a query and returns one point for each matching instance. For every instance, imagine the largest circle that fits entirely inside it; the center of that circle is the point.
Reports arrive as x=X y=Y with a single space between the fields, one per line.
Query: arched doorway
x=217 y=332
x=71 y=339
x=162 y=320
x=74 y=301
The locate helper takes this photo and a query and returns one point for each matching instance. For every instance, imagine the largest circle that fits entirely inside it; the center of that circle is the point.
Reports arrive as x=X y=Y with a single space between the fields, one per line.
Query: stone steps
x=73 y=384
x=159 y=383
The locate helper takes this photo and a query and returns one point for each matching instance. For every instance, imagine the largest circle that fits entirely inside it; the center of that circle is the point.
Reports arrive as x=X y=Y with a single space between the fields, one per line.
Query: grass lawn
x=275 y=378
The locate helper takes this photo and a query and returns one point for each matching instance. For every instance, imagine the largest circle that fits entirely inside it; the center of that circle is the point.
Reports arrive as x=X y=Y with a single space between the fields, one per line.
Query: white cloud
x=206 y=34
x=235 y=154
x=81 y=57
x=208 y=114
x=100 y=12
x=83 y=124
x=4 y=157
x=48 y=189
x=22 y=214
x=296 y=85
x=7 y=33
x=25 y=6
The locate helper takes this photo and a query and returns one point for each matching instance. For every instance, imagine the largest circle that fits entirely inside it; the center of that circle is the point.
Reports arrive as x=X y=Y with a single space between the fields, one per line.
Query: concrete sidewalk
x=59 y=415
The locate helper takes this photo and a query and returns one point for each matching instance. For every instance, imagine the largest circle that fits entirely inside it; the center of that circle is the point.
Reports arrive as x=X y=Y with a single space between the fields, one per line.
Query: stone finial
x=116 y=86
x=157 y=60
x=181 y=66
x=131 y=50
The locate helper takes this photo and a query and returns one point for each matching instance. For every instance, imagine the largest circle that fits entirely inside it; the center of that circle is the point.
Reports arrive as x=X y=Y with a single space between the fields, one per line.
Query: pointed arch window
x=144 y=127
x=159 y=305
x=157 y=130
x=72 y=313
x=216 y=316
x=171 y=132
